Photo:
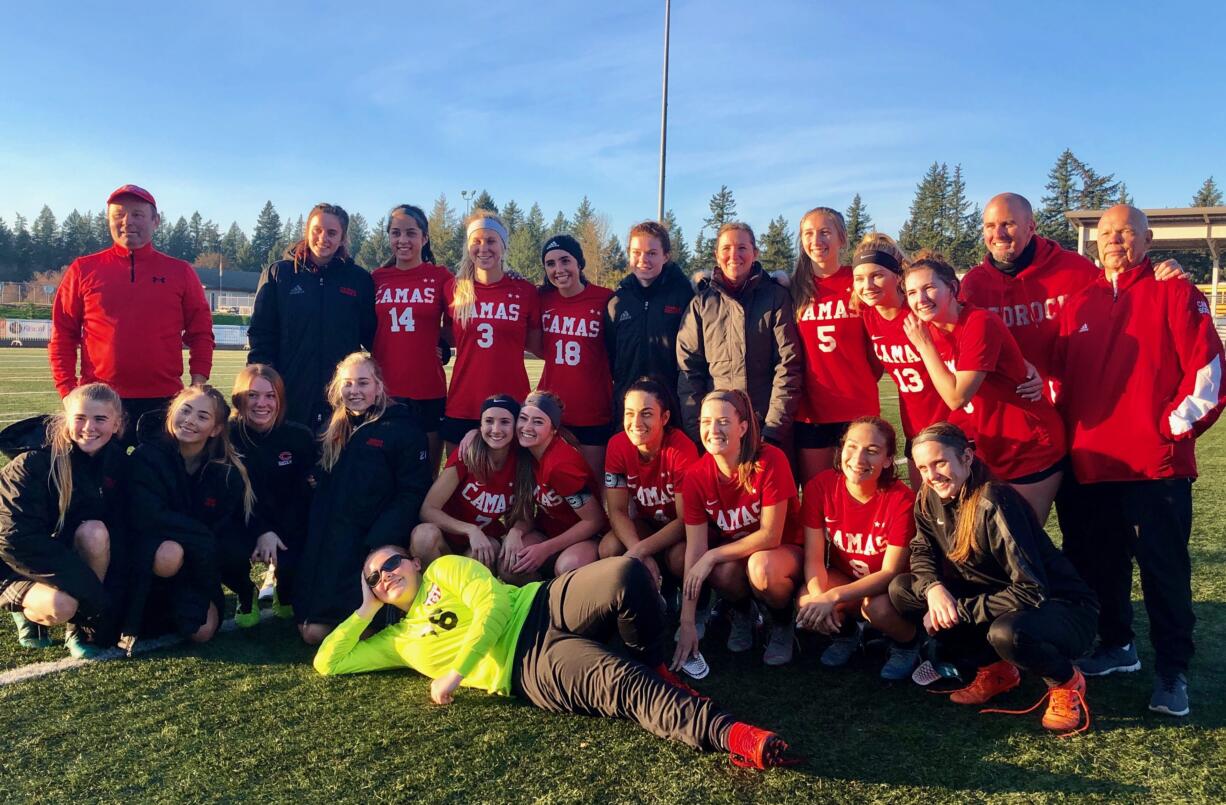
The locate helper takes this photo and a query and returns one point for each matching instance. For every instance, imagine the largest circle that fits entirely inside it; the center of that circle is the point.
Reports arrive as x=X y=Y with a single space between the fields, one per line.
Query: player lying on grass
x=544 y=642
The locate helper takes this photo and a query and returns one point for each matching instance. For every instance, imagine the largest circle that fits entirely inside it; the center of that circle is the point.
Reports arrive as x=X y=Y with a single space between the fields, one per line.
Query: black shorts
x=592 y=435
x=427 y=413
x=1041 y=475
x=13 y=591
x=810 y=436
x=452 y=430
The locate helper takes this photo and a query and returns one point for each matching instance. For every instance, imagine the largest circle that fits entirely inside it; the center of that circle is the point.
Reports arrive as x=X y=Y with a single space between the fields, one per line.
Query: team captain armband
x=577 y=500
x=613 y=480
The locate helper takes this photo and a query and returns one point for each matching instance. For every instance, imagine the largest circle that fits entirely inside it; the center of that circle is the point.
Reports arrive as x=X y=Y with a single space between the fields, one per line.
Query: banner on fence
x=36 y=332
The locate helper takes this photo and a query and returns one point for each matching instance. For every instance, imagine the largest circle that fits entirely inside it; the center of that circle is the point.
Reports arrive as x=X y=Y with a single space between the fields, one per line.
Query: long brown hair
x=59 y=437
x=968 y=497
x=478 y=456
x=804 y=283
x=300 y=252
x=339 y=429
x=525 y=478
x=218 y=449
x=242 y=384
x=747 y=459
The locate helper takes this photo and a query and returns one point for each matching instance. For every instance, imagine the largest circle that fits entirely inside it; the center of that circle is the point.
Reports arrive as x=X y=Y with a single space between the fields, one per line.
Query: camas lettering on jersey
x=827 y=310
x=570 y=325
x=865 y=544
x=896 y=353
x=405 y=296
x=498 y=311
x=484 y=501
x=736 y=519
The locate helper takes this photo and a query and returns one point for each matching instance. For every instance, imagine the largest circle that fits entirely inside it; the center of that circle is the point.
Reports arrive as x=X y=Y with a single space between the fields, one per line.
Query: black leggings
x=1045 y=640
x=563 y=665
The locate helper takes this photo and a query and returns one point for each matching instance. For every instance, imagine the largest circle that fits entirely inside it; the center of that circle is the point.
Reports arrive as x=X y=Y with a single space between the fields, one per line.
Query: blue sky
x=221 y=106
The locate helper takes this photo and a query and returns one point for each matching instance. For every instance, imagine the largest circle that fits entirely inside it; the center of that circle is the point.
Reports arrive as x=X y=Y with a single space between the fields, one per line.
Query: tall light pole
x=664 y=112
x=468 y=196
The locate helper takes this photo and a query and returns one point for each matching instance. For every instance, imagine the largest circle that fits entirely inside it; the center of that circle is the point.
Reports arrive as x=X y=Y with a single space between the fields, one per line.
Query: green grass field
x=246 y=717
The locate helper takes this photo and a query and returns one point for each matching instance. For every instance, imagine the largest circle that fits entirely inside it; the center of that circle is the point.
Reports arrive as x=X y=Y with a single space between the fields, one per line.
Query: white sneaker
x=740 y=635
x=269 y=585
x=696 y=667
x=781 y=644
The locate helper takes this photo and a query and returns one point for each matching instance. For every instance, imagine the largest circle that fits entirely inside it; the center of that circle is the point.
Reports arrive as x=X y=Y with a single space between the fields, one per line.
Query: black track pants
x=563 y=665
x=1105 y=527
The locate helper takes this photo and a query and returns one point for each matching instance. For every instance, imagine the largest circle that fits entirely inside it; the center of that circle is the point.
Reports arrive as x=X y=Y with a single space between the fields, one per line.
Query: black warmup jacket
x=372 y=497
x=641 y=329
x=200 y=511
x=1015 y=565
x=305 y=320
x=33 y=547
x=279 y=463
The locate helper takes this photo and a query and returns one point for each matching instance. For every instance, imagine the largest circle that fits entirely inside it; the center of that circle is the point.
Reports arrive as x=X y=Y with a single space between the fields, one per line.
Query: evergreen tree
x=485 y=202
x=7 y=268
x=583 y=214
x=359 y=231
x=77 y=235
x=1208 y=196
x=195 y=231
x=723 y=210
x=1124 y=197
x=445 y=233
x=681 y=252
x=524 y=250
x=377 y=248
x=179 y=240
x=23 y=246
x=535 y=223
x=299 y=230
x=210 y=238
x=162 y=234
x=236 y=250
x=102 y=231
x=512 y=216
x=777 y=246
x=859 y=223
x=44 y=241
x=286 y=239
x=923 y=227
x=614 y=258
x=961 y=227
x=263 y=249
x=1062 y=193
x=1097 y=191
x=559 y=226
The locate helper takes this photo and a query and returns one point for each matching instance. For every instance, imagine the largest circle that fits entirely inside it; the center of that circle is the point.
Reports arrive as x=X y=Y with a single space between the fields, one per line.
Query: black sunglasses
x=389 y=564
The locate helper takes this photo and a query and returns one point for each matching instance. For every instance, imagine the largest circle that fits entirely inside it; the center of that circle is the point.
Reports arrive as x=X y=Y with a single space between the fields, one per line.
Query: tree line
x=941 y=217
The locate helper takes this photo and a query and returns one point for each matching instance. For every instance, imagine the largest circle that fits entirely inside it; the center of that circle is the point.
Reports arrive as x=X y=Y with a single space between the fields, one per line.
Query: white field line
x=40 y=669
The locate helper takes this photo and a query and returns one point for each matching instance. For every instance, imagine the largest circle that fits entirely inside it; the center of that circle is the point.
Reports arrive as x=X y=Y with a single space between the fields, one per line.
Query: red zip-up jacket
x=129 y=313
x=1139 y=370
x=1029 y=303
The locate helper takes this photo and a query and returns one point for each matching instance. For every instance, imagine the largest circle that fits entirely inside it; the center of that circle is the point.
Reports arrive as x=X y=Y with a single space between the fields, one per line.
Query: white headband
x=488 y=223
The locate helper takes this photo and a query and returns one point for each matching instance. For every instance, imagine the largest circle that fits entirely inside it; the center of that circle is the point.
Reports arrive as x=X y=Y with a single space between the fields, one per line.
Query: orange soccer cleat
x=990 y=681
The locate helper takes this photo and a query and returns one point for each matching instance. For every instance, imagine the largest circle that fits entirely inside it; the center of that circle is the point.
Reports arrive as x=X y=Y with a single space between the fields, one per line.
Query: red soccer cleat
x=677 y=682
x=991 y=681
x=754 y=748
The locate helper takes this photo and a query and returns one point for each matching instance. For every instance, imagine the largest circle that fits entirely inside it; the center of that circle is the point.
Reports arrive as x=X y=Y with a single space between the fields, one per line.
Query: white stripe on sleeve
x=1203 y=399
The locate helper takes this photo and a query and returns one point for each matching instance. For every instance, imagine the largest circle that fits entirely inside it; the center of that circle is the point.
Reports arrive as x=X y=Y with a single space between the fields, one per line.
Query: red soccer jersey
x=1014 y=437
x=919 y=404
x=858 y=533
x=490 y=349
x=720 y=501
x=561 y=473
x=481 y=503
x=841 y=372
x=410 y=304
x=1029 y=303
x=576 y=364
x=652 y=484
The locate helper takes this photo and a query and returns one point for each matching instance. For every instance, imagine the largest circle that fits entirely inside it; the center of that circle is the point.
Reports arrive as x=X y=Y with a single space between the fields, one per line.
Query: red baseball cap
x=132 y=190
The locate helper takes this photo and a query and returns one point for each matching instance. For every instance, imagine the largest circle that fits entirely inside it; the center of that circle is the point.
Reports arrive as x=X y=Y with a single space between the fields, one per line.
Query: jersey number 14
x=402 y=321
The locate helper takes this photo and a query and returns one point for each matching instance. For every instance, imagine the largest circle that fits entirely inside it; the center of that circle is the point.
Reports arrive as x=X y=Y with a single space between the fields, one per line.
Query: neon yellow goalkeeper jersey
x=462 y=619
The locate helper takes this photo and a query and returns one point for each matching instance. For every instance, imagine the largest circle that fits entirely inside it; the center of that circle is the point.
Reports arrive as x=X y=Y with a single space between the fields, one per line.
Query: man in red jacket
x=128 y=310
x=1139 y=371
x=1026 y=278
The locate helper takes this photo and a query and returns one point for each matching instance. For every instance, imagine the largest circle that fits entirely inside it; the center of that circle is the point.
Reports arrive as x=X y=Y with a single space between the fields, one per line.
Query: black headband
x=502 y=401
x=548 y=406
x=884 y=259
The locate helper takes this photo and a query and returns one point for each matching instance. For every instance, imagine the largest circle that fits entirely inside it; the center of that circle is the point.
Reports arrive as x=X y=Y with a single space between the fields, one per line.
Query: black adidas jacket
x=305 y=320
x=641 y=329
